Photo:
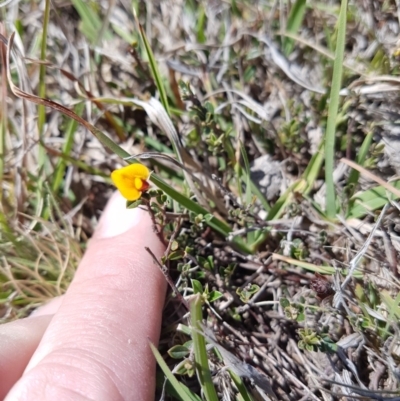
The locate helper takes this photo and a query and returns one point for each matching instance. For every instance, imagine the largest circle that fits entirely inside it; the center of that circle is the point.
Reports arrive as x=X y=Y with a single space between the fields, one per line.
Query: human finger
x=18 y=342
x=96 y=346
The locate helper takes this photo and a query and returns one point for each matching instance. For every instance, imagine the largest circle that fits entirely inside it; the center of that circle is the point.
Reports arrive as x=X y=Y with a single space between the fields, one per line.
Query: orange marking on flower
x=131 y=180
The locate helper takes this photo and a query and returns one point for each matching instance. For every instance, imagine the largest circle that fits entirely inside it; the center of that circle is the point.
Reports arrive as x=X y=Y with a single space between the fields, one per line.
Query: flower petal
x=136 y=170
x=138 y=183
x=130 y=180
x=130 y=194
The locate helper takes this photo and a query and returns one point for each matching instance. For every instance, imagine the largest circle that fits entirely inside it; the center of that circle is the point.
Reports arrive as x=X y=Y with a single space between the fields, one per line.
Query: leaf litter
x=310 y=305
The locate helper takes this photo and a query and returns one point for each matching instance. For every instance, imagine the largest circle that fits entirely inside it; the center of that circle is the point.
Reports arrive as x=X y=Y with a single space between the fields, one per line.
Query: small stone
x=267 y=175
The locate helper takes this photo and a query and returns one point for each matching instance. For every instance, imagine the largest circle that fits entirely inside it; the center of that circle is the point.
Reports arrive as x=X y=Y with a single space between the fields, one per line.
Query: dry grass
x=254 y=84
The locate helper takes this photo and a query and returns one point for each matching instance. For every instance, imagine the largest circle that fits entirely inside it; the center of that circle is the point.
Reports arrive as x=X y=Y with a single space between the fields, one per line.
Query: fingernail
x=49 y=308
x=117 y=219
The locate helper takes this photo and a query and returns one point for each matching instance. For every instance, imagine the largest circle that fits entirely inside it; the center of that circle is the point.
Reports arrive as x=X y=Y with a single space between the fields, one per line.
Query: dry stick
x=159 y=232
x=360 y=254
x=173 y=236
x=164 y=271
x=372 y=176
x=239 y=367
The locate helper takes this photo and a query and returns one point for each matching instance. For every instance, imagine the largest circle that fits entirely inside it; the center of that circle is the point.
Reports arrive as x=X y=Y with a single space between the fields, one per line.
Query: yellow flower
x=131 y=180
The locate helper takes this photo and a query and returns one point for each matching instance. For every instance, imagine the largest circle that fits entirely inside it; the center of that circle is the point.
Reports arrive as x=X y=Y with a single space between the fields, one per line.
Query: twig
x=164 y=271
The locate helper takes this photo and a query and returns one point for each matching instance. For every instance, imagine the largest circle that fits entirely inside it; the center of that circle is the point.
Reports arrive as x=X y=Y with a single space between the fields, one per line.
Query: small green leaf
x=247 y=293
x=208 y=217
x=284 y=302
x=176 y=255
x=209 y=263
x=214 y=295
x=133 y=204
x=298 y=249
x=184 y=393
x=328 y=345
x=178 y=352
x=301 y=317
x=186 y=368
x=197 y=287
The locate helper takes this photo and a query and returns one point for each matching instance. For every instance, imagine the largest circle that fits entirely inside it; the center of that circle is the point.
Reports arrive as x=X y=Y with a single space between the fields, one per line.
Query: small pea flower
x=131 y=180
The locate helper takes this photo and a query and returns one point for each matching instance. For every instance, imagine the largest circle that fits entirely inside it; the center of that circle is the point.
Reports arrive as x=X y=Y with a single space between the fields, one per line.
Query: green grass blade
x=333 y=112
x=360 y=159
x=246 y=174
x=181 y=390
x=128 y=37
x=260 y=196
x=42 y=68
x=312 y=267
x=294 y=21
x=392 y=305
x=3 y=121
x=3 y=131
x=153 y=66
x=302 y=186
x=67 y=148
x=248 y=195
x=277 y=210
x=201 y=24
x=355 y=174
x=314 y=167
x=90 y=24
x=246 y=396
x=370 y=200
x=81 y=165
x=7 y=233
x=42 y=157
x=200 y=351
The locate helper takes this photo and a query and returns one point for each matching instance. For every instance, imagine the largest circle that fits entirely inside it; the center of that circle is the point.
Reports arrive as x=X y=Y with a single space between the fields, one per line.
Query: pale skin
x=93 y=343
